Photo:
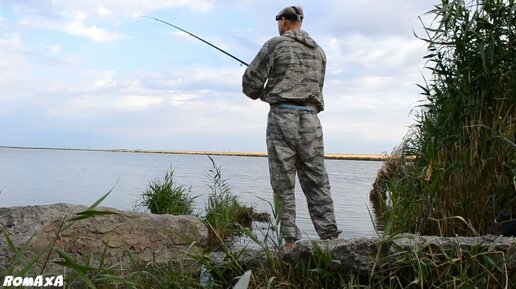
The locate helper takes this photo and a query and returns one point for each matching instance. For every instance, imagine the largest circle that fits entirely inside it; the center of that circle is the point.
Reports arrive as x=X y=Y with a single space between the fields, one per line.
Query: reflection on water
x=30 y=177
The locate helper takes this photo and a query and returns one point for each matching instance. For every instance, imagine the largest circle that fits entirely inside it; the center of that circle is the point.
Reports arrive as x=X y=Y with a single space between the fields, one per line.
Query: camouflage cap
x=294 y=13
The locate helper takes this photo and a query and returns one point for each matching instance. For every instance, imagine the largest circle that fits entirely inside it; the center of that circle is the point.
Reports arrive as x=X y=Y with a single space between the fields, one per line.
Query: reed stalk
x=428 y=265
x=464 y=137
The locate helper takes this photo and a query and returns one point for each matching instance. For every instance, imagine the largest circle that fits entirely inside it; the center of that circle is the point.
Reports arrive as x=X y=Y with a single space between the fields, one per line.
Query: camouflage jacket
x=288 y=68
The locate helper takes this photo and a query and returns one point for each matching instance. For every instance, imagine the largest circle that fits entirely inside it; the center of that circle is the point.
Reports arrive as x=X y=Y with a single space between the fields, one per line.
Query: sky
x=93 y=74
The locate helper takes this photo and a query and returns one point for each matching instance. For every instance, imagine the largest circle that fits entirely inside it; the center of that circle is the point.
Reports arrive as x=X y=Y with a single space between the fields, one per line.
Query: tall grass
x=224 y=214
x=167 y=197
x=426 y=265
x=464 y=138
x=79 y=273
x=433 y=263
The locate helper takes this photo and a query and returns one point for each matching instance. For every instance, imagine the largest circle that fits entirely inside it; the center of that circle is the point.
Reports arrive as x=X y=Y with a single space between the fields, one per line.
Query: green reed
x=167 y=197
x=425 y=265
x=462 y=150
x=433 y=264
x=79 y=273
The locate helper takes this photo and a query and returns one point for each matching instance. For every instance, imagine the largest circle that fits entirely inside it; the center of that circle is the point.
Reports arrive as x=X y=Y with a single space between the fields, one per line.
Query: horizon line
x=337 y=156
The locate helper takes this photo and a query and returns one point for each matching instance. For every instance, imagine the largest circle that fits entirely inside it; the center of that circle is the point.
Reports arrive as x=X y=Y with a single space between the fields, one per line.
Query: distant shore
x=336 y=156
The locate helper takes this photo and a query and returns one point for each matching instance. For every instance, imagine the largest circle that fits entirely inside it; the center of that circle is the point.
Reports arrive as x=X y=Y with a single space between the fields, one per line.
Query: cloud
x=157 y=93
x=72 y=21
x=103 y=12
x=91 y=105
x=359 y=54
x=373 y=18
x=55 y=49
x=13 y=64
x=229 y=78
x=13 y=43
x=106 y=80
x=117 y=9
x=93 y=32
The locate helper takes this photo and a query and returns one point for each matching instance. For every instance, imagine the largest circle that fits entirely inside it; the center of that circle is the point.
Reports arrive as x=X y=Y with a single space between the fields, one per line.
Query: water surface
x=34 y=176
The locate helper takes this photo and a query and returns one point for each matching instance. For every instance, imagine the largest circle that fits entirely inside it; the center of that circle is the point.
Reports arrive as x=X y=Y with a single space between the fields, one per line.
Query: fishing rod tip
x=135 y=17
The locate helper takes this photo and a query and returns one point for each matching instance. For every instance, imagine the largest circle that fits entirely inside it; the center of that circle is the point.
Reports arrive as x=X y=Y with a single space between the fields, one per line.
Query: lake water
x=34 y=177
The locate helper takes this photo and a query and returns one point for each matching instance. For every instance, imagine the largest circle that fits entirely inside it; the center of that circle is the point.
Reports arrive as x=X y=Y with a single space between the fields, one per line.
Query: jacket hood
x=301 y=36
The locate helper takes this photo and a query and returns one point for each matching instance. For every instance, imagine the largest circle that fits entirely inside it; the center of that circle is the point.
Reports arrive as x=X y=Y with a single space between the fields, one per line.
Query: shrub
x=166 y=197
x=464 y=137
x=224 y=214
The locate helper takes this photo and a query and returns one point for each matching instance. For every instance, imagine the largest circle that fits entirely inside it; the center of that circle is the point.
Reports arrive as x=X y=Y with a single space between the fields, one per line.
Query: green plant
x=224 y=273
x=24 y=262
x=93 y=271
x=462 y=145
x=166 y=197
x=270 y=269
x=432 y=264
x=320 y=270
x=167 y=276
x=224 y=214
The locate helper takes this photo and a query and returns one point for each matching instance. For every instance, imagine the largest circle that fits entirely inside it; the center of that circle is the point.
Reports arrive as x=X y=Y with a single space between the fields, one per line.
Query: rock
x=359 y=257
x=164 y=238
x=354 y=255
x=125 y=235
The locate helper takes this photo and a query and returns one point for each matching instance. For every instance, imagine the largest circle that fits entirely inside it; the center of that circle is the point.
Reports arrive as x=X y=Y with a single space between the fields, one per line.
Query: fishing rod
x=199 y=38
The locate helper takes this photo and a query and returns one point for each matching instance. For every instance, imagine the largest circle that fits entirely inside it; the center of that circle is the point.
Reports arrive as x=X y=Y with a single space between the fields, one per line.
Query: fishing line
x=198 y=38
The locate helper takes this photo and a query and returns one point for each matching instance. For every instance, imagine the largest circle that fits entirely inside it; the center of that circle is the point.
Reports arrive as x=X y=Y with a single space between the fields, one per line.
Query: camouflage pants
x=295 y=145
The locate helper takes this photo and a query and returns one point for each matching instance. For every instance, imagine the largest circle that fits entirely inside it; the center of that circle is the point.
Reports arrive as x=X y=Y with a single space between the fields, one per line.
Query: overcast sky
x=92 y=74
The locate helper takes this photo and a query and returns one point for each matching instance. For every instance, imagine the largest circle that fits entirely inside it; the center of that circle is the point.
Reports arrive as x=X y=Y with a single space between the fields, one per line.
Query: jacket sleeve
x=323 y=75
x=255 y=76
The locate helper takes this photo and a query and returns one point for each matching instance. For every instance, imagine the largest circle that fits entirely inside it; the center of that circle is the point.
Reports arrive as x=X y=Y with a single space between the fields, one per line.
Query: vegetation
x=225 y=216
x=166 y=197
x=27 y=263
x=457 y=167
x=452 y=174
x=428 y=265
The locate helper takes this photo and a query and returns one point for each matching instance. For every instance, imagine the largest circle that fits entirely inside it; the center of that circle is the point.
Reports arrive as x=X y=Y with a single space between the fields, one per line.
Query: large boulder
x=121 y=237
x=362 y=256
x=161 y=239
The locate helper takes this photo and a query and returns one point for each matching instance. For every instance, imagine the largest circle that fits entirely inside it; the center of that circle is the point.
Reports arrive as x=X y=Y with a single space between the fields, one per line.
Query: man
x=288 y=73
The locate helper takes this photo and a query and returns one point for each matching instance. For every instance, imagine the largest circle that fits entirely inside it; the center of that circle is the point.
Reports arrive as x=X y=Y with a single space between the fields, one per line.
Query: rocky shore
x=121 y=236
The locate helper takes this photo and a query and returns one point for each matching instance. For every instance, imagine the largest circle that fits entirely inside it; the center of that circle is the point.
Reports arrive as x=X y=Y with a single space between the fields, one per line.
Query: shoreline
x=334 y=156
